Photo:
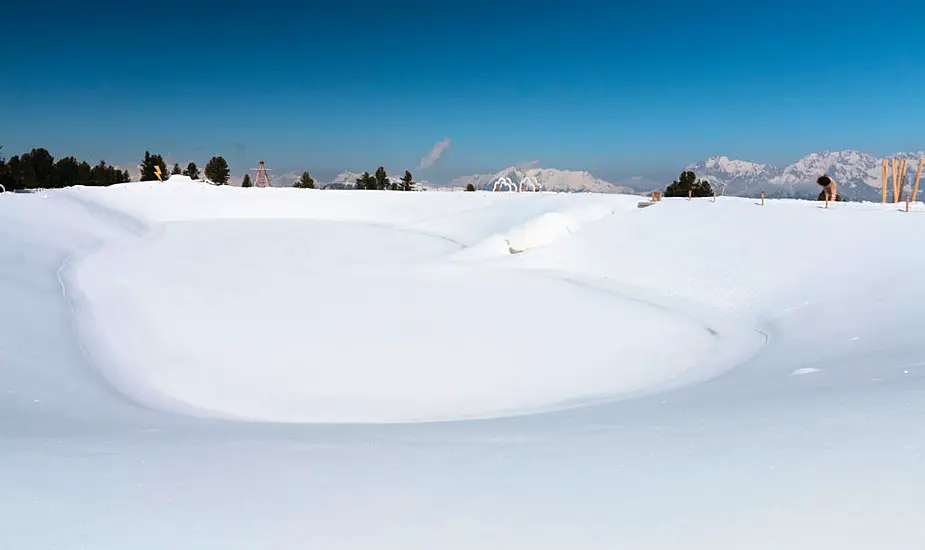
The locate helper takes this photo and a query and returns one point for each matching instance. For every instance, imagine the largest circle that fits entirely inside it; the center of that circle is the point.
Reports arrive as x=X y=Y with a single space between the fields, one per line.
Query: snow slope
x=190 y=366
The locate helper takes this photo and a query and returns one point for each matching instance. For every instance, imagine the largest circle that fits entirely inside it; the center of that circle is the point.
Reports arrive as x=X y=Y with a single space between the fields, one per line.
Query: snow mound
x=540 y=230
x=265 y=331
x=770 y=367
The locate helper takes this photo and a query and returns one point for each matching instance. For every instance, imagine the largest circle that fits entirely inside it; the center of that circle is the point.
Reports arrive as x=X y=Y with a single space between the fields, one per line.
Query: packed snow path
x=186 y=366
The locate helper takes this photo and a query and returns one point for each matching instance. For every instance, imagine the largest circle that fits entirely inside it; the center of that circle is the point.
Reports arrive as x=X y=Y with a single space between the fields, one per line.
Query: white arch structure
x=504 y=182
x=2 y=188
x=534 y=185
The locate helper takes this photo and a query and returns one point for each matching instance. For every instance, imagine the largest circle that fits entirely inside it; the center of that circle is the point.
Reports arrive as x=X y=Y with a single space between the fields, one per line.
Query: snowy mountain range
x=549 y=179
x=858 y=175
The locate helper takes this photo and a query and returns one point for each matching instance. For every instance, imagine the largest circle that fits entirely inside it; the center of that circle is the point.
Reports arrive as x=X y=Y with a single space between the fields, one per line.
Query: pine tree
x=470 y=187
x=407 y=182
x=29 y=179
x=246 y=182
x=147 y=167
x=305 y=182
x=43 y=167
x=217 y=171
x=382 y=179
x=6 y=180
x=176 y=169
x=192 y=171
x=688 y=183
x=84 y=172
x=366 y=181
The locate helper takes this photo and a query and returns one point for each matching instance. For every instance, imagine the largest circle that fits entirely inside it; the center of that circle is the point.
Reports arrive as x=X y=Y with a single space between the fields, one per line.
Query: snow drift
x=189 y=366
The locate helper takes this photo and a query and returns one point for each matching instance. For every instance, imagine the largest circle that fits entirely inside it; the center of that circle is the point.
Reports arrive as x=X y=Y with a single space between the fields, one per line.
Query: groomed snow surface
x=194 y=367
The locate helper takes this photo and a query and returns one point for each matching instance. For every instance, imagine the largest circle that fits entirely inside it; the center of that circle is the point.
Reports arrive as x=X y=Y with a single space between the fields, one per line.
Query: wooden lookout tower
x=262 y=179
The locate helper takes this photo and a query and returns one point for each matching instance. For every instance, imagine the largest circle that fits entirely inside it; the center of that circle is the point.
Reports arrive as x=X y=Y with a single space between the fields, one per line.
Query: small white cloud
x=435 y=153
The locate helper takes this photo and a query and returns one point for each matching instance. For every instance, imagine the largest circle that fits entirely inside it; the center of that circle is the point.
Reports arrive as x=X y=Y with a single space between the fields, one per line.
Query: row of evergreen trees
x=381 y=181
x=38 y=169
x=216 y=169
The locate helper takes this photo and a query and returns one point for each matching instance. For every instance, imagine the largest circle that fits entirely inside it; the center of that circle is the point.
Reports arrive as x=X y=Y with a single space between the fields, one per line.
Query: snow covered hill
x=549 y=179
x=858 y=175
x=190 y=366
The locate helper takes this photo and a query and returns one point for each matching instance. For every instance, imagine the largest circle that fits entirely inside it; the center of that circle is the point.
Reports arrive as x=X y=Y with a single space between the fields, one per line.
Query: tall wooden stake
x=689 y=195
x=895 y=181
x=907 y=204
x=885 y=164
x=903 y=170
x=918 y=174
x=762 y=198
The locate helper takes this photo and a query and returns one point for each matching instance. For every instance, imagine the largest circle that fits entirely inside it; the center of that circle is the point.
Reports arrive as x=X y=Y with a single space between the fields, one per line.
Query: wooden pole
x=826 y=200
x=762 y=198
x=689 y=194
x=714 y=196
x=907 y=204
x=885 y=163
x=904 y=169
x=895 y=181
x=918 y=174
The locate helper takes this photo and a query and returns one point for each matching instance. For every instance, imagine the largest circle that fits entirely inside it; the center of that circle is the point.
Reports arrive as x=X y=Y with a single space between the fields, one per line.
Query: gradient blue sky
x=618 y=89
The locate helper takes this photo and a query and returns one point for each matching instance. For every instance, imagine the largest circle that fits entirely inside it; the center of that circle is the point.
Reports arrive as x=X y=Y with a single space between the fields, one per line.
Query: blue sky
x=618 y=89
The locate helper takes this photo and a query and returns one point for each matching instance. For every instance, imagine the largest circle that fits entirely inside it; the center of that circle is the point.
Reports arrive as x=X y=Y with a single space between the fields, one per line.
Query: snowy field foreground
x=185 y=366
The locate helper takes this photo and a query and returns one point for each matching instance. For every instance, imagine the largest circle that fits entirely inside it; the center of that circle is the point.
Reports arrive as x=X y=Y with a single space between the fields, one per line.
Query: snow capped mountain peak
x=549 y=179
x=734 y=166
x=858 y=174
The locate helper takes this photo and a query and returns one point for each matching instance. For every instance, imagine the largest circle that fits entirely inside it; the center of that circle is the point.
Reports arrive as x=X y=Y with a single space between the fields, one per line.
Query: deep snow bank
x=814 y=442
x=306 y=306
x=341 y=323
x=308 y=311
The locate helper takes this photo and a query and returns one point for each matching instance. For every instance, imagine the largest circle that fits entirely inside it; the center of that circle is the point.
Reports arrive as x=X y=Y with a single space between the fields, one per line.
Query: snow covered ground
x=193 y=367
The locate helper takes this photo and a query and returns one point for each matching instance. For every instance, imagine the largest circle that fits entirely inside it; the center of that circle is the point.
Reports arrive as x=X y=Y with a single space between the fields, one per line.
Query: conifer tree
x=382 y=179
x=366 y=181
x=217 y=170
x=147 y=167
x=470 y=187
x=246 y=182
x=688 y=182
x=176 y=169
x=305 y=182
x=407 y=181
x=192 y=171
